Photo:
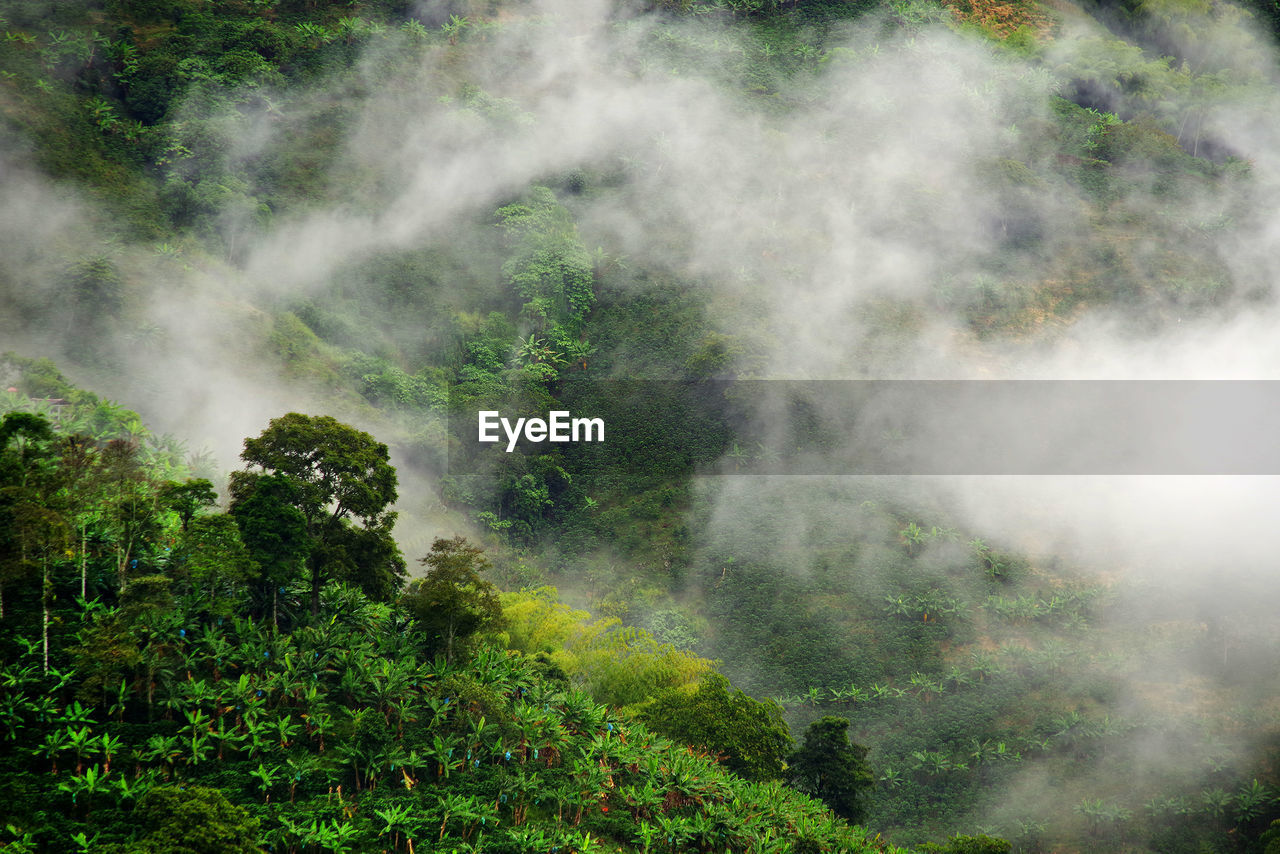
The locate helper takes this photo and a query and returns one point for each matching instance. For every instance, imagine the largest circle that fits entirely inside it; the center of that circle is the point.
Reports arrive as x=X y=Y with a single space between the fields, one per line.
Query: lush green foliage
x=451 y=603
x=749 y=735
x=624 y=667
x=267 y=658
x=832 y=769
x=160 y=714
x=332 y=474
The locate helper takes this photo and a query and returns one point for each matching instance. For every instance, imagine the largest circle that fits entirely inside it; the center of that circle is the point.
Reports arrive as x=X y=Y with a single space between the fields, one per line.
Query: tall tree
x=82 y=495
x=265 y=507
x=342 y=476
x=832 y=768
x=132 y=511
x=188 y=498
x=30 y=507
x=24 y=440
x=212 y=561
x=453 y=602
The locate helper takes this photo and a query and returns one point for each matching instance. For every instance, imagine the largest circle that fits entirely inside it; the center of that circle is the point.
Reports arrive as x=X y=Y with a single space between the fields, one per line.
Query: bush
x=750 y=736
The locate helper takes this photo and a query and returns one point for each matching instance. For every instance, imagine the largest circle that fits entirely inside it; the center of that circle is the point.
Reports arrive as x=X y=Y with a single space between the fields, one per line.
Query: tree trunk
x=84 y=561
x=44 y=608
x=315 y=588
x=122 y=563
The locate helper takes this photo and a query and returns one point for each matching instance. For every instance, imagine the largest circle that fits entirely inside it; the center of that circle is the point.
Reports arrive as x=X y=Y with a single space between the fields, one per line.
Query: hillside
x=686 y=219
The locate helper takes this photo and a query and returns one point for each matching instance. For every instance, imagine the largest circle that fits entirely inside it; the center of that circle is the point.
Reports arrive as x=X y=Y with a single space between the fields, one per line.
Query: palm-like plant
x=537 y=351
x=675 y=829
x=480 y=731
x=227 y=735
x=108 y=745
x=258 y=732
x=196 y=737
x=456 y=806
x=84 y=784
x=396 y=818
x=1216 y=802
x=1252 y=801
x=362 y=760
x=577 y=352
x=81 y=742
x=532 y=838
x=266 y=777
x=454 y=27
x=285 y=730
x=123 y=788
x=162 y=748
x=912 y=536
x=336 y=835
x=319 y=724
x=55 y=742
x=442 y=751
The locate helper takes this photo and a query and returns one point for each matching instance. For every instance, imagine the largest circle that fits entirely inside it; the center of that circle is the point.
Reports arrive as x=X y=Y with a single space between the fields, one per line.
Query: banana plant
x=523 y=787
x=120 y=702
x=226 y=734
x=266 y=777
x=337 y=836
x=84 y=843
x=455 y=806
x=162 y=748
x=80 y=740
x=1252 y=801
x=891 y=777
x=319 y=724
x=532 y=838
x=642 y=798
x=125 y=789
x=442 y=751
x=285 y=730
x=353 y=682
x=880 y=692
x=297 y=769
x=957 y=677
x=702 y=830
x=55 y=742
x=391 y=757
x=258 y=732
x=196 y=736
x=591 y=780
x=577 y=352
x=912 y=536
x=359 y=757
x=645 y=834
x=849 y=696
x=14 y=709
x=581 y=714
x=389 y=689
x=396 y=818
x=109 y=745
x=478 y=729
x=84 y=784
x=675 y=830
x=1215 y=802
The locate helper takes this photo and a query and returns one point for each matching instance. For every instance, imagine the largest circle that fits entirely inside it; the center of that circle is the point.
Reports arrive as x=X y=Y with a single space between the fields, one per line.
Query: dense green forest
x=263 y=261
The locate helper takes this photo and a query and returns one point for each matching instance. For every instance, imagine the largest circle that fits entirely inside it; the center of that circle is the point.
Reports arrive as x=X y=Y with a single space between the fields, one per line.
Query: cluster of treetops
x=181 y=679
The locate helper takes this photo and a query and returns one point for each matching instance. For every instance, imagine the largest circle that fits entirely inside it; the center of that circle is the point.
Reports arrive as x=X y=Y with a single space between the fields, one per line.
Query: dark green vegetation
x=279 y=664
x=157 y=700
